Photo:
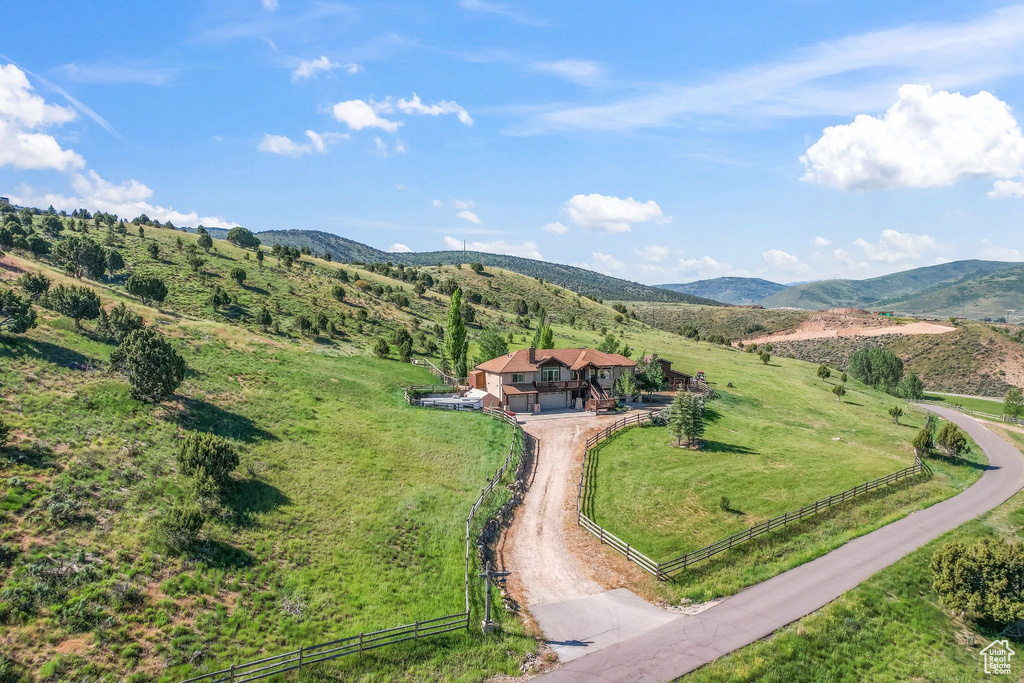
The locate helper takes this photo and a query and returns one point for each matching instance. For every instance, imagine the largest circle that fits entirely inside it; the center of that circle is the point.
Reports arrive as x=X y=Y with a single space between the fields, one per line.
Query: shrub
x=154 y=250
x=153 y=368
x=951 y=440
x=16 y=313
x=824 y=372
x=725 y=504
x=476 y=267
x=922 y=443
x=264 y=319
x=242 y=237
x=77 y=303
x=219 y=297
x=207 y=455
x=839 y=390
x=34 y=284
x=896 y=413
x=986 y=578
x=238 y=275
x=338 y=292
x=115 y=262
x=381 y=349
x=1013 y=404
x=146 y=287
x=179 y=528
x=119 y=322
x=765 y=357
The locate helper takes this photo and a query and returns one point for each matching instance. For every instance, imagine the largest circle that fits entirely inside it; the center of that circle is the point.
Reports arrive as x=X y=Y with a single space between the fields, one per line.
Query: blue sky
x=658 y=141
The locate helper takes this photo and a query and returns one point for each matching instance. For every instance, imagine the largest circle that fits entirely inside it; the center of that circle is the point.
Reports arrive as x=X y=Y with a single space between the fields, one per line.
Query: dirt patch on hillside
x=850 y=322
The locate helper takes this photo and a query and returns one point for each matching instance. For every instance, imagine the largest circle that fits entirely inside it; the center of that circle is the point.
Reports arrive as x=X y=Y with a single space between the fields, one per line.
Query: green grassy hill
x=345 y=512
x=742 y=291
x=581 y=280
x=896 y=291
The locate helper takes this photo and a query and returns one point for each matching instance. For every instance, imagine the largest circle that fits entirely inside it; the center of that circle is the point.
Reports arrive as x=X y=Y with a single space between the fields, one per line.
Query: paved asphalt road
x=671 y=650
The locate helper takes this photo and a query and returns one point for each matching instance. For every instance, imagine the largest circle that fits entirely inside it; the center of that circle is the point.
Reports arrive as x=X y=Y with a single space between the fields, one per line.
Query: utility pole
x=489 y=575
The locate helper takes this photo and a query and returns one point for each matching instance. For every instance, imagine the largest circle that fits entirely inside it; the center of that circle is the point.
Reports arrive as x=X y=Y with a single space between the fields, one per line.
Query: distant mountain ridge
x=579 y=280
x=932 y=290
x=742 y=291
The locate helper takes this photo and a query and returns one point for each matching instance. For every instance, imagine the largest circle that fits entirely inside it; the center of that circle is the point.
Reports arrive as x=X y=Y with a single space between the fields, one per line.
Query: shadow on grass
x=35 y=456
x=958 y=462
x=255 y=290
x=251 y=497
x=206 y=417
x=720 y=447
x=12 y=348
x=223 y=556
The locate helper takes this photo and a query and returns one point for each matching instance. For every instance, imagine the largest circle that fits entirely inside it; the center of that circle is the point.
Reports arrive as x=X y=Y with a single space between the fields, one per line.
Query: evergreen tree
x=154 y=250
x=952 y=441
x=824 y=372
x=153 y=368
x=238 y=275
x=264 y=319
x=16 y=313
x=839 y=390
x=207 y=455
x=80 y=256
x=77 y=303
x=985 y=579
x=381 y=348
x=146 y=287
x=34 y=284
x=114 y=261
x=219 y=297
x=205 y=242
x=119 y=322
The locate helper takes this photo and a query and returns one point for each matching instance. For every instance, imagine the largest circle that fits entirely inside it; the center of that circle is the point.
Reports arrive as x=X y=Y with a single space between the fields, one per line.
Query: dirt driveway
x=541 y=549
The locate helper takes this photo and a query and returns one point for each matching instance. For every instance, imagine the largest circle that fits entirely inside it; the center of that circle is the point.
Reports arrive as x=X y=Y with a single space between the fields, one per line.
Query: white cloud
x=269 y=5
x=1006 y=188
x=654 y=252
x=822 y=242
x=844 y=76
x=606 y=214
x=357 y=114
x=436 y=202
x=467 y=215
x=607 y=264
x=463 y=203
x=784 y=262
x=499 y=9
x=399 y=248
x=894 y=246
x=285 y=146
x=415 y=107
x=581 y=71
x=776 y=258
x=117 y=73
x=310 y=68
x=703 y=268
x=995 y=252
x=524 y=249
x=925 y=139
x=128 y=200
x=22 y=115
x=556 y=227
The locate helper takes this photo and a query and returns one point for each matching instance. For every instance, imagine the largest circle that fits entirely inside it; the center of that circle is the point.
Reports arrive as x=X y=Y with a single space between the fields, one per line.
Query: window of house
x=518 y=377
x=550 y=374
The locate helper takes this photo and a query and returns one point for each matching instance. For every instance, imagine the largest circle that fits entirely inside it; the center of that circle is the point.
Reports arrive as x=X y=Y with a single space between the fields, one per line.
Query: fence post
x=360 y=643
x=416 y=630
x=231 y=673
x=300 y=657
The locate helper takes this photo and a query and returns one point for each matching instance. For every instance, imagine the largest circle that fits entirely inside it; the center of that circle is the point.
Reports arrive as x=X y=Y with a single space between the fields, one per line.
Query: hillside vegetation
x=977 y=358
x=958 y=287
x=705 y=322
x=742 y=291
x=580 y=280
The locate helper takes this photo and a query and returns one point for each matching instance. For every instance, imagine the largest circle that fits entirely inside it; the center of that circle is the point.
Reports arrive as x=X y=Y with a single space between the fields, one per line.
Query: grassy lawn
x=346 y=515
x=665 y=500
x=890 y=628
x=994 y=406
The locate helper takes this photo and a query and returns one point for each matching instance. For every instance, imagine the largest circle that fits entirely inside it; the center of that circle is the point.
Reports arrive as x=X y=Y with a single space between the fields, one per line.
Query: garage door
x=550 y=401
x=517 y=404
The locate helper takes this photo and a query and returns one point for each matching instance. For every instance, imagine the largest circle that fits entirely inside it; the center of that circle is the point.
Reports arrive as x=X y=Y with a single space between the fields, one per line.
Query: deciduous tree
x=1013 y=404
x=455 y=343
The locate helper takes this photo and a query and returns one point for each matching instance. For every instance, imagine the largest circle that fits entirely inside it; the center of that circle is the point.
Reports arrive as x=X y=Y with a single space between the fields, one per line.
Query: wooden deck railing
x=665 y=570
x=356 y=645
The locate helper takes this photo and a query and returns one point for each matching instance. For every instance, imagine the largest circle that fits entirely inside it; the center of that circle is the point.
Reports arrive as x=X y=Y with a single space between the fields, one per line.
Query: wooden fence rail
x=357 y=645
x=1002 y=417
x=665 y=570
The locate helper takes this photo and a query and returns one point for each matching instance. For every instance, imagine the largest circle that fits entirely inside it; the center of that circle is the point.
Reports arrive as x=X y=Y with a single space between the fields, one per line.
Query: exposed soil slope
x=851 y=322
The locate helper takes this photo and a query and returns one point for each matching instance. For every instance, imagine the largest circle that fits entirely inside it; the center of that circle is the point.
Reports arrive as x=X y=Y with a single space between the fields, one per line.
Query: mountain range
x=742 y=291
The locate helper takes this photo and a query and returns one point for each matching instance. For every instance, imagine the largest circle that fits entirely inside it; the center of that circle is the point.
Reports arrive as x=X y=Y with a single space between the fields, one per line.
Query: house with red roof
x=532 y=380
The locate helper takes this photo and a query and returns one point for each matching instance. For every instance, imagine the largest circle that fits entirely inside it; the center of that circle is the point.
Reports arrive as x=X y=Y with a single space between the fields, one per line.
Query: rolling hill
x=579 y=280
x=742 y=291
x=966 y=285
